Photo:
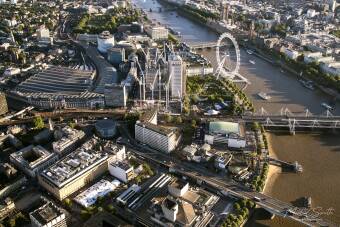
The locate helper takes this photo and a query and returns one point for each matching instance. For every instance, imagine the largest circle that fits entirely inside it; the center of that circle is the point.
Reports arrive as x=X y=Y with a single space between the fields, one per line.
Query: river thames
x=319 y=154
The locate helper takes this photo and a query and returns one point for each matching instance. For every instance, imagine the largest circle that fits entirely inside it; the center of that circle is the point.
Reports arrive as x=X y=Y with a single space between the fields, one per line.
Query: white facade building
x=177 y=79
x=158 y=33
x=159 y=138
x=121 y=170
x=170 y=209
x=105 y=41
x=178 y=188
x=117 y=152
x=43 y=33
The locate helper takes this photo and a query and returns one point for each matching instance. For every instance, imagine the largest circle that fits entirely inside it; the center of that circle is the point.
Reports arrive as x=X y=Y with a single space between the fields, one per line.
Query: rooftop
x=74 y=165
x=123 y=165
x=32 y=156
x=156 y=128
x=57 y=79
x=225 y=127
x=105 y=124
x=178 y=184
x=100 y=189
x=46 y=213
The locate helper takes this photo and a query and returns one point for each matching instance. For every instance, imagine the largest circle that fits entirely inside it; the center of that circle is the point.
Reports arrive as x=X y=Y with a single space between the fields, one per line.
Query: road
x=106 y=73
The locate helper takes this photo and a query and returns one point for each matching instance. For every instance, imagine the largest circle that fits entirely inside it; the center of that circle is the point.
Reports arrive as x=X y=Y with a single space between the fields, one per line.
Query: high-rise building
x=3 y=104
x=116 y=55
x=176 y=68
x=115 y=95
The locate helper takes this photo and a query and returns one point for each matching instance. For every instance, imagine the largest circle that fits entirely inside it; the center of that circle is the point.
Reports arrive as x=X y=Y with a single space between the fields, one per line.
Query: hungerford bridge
x=286 y=119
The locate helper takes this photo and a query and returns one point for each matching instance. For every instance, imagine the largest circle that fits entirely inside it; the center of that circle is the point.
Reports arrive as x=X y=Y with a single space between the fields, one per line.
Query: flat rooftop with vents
x=72 y=166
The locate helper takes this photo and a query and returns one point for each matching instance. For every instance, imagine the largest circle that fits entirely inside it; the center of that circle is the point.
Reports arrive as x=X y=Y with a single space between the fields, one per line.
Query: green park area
x=211 y=90
x=94 y=24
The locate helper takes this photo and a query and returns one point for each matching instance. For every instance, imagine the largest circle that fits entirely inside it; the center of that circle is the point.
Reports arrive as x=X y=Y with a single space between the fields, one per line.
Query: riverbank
x=277 y=62
x=274 y=171
x=219 y=29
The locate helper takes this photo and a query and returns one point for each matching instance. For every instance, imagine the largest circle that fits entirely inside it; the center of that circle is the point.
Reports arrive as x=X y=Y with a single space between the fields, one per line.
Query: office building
x=123 y=171
x=117 y=152
x=33 y=159
x=105 y=42
x=115 y=95
x=116 y=55
x=158 y=33
x=69 y=140
x=73 y=172
x=176 y=70
x=157 y=137
x=3 y=104
x=48 y=215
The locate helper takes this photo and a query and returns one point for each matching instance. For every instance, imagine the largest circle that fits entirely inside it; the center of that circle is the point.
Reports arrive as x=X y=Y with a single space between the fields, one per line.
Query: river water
x=319 y=154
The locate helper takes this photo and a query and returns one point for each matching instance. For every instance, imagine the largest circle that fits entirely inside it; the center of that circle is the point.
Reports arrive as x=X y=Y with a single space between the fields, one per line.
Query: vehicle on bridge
x=325 y=105
x=257 y=199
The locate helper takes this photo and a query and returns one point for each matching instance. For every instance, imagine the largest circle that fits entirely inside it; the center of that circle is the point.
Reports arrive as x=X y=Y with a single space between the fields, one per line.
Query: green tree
x=237 y=206
x=178 y=120
x=193 y=123
x=38 y=122
x=168 y=118
x=147 y=169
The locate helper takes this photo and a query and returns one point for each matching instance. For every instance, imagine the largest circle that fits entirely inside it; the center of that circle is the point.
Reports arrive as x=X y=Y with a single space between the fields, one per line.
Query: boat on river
x=307 y=84
x=252 y=62
x=264 y=96
x=249 y=51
